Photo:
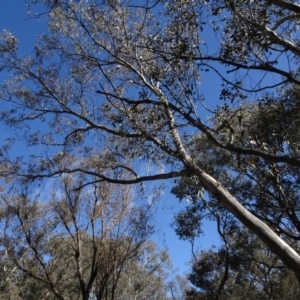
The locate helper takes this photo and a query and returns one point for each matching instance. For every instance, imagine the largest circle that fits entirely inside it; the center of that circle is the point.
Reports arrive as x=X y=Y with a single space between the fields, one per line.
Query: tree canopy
x=118 y=85
x=80 y=244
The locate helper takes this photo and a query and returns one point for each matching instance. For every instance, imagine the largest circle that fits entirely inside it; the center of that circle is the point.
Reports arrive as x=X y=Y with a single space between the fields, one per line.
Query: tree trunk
x=276 y=245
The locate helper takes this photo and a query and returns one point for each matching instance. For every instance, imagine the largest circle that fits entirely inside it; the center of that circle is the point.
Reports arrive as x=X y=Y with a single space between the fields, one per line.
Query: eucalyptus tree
x=72 y=243
x=122 y=79
x=269 y=190
x=246 y=271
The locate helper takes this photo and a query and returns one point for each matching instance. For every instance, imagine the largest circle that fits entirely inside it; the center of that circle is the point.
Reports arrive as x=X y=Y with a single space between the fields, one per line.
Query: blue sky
x=13 y=18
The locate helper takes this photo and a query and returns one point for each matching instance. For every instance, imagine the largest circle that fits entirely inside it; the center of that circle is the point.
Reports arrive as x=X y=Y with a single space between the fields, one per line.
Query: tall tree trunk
x=276 y=245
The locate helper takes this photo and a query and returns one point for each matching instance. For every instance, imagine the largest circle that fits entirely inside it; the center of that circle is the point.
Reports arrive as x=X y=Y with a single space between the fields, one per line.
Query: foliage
x=267 y=189
x=123 y=79
x=243 y=267
x=80 y=243
x=244 y=271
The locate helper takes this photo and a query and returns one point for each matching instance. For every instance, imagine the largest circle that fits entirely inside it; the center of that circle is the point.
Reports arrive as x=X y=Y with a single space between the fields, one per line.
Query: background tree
x=244 y=271
x=178 y=287
x=80 y=243
x=129 y=76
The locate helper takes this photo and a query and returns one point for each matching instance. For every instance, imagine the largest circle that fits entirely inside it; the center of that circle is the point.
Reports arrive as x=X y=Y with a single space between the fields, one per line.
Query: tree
x=251 y=272
x=269 y=190
x=129 y=76
x=80 y=243
x=178 y=287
